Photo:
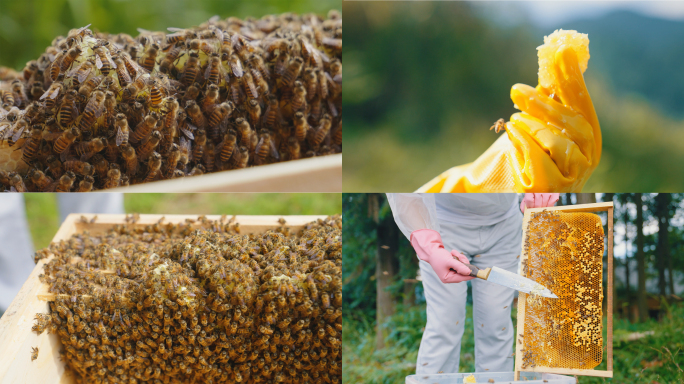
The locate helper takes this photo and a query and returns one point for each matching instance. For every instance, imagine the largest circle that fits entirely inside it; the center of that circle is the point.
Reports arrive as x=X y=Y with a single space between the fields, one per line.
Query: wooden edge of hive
x=570 y=371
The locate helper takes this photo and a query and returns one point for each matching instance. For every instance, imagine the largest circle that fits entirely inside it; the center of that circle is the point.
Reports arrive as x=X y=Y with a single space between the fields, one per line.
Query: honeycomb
x=565 y=254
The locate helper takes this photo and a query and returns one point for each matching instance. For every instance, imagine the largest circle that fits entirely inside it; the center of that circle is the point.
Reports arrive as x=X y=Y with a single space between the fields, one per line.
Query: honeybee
x=52 y=92
x=250 y=87
x=265 y=146
x=86 y=185
x=92 y=111
x=103 y=61
x=130 y=159
x=87 y=89
x=32 y=144
x=34 y=353
x=261 y=84
x=256 y=62
x=55 y=66
x=227 y=145
x=122 y=71
x=155 y=92
x=294 y=68
x=214 y=72
x=322 y=130
x=54 y=166
x=236 y=66
x=87 y=149
x=144 y=128
x=192 y=92
x=271 y=117
x=17 y=92
x=69 y=58
x=147 y=61
x=40 y=180
x=113 y=178
x=311 y=83
x=281 y=63
x=211 y=97
x=122 y=130
x=171 y=111
x=298 y=101
x=65 y=182
x=254 y=110
x=301 y=126
x=185 y=151
x=199 y=144
x=166 y=65
x=190 y=69
x=67 y=111
x=337 y=134
x=293 y=148
x=145 y=149
x=81 y=73
x=195 y=114
x=499 y=125
x=171 y=161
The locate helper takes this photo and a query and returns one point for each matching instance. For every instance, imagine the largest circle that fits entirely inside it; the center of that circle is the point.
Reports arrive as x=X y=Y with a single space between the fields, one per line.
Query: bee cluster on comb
x=565 y=254
x=198 y=302
x=99 y=110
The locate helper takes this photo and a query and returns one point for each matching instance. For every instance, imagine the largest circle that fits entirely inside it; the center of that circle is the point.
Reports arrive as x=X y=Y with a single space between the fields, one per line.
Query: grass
x=43 y=215
x=653 y=359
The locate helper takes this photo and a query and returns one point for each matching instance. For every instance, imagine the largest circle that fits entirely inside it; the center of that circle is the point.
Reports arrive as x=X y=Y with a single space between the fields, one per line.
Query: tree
x=623 y=198
x=585 y=198
x=663 y=203
x=641 y=258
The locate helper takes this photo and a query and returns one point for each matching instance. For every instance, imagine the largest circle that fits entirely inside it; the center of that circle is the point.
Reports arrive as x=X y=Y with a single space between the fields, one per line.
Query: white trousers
x=498 y=245
x=16 y=246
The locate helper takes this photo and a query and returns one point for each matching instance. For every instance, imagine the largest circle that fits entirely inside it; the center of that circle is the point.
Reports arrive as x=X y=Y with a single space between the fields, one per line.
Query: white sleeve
x=413 y=211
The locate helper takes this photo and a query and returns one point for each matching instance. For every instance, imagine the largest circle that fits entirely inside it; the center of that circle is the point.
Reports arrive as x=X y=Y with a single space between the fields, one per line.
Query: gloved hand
x=553 y=144
x=538 y=200
x=429 y=247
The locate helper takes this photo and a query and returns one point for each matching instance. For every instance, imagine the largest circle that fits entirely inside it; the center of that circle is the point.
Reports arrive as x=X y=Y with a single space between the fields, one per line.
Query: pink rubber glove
x=538 y=200
x=429 y=247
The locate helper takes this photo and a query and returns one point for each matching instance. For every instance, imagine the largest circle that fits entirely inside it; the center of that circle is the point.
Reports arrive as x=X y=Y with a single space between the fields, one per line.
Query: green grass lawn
x=43 y=215
x=653 y=359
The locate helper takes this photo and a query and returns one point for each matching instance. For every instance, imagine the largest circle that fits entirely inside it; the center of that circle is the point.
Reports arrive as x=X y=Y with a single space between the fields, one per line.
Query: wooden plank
x=571 y=371
x=317 y=174
x=594 y=207
x=522 y=299
x=16 y=338
x=609 y=342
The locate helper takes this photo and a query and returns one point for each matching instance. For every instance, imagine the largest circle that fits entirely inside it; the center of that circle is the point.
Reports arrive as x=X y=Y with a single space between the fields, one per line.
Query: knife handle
x=479 y=273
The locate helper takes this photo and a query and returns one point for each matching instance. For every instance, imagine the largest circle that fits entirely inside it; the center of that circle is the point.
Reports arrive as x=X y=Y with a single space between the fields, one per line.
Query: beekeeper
x=446 y=231
x=16 y=247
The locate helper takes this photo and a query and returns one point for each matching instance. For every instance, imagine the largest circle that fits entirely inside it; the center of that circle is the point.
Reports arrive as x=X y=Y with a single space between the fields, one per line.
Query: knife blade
x=512 y=280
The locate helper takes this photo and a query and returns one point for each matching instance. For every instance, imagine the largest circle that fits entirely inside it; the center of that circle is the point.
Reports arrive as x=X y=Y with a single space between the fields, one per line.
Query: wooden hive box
x=522 y=301
x=16 y=338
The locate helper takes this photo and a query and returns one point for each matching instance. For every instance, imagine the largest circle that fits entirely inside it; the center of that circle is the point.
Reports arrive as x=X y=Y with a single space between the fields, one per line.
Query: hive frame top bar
x=16 y=338
x=520 y=325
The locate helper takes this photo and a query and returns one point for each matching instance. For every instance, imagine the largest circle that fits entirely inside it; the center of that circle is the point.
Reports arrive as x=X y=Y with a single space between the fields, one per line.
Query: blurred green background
x=43 y=215
x=425 y=81
x=27 y=27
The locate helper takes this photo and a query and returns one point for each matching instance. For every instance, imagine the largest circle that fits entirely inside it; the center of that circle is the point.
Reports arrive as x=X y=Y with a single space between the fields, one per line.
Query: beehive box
x=487 y=377
x=16 y=337
x=318 y=174
x=563 y=250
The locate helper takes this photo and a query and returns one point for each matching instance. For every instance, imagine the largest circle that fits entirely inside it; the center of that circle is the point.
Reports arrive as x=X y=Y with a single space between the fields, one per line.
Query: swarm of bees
x=198 y=302
x=565 y=254
x=98 y=110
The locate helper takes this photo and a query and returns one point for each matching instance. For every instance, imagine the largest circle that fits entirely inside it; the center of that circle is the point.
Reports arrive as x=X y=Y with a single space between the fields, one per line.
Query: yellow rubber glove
x=553 y=145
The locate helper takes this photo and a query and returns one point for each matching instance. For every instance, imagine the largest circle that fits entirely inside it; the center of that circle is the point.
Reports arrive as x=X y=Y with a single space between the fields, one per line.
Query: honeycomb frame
x=524 y=361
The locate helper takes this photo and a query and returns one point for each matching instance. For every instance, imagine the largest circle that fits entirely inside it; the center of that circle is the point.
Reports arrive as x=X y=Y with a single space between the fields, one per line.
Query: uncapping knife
x=508 y=279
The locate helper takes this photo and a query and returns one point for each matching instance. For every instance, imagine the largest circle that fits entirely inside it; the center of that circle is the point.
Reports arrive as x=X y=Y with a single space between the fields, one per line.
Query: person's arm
x=416 y=217
x=538 y=200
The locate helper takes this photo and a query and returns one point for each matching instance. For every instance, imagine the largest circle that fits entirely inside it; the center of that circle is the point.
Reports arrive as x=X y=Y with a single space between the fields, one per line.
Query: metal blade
x=517 y=282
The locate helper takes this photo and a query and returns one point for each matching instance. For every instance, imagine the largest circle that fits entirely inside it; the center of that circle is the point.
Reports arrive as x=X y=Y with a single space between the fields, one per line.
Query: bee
x=55 y=66
x=236 y=66
x=54 y=166
x=322 y=130
x=211 y=97
x=122 y=71
x=80 y=74
x=145 y=149
x=89 y=87
x=281 y=63
x=190 y=69
x=153 y=165
x=7 y=99
x=178 y=36
x=113 y=178
x=17 y=130
x=200 y=142
x=86 y=185
x=52 y=93
x=311 y=83
x=69 y=58
x=191 y=93
x=122 y=130
x=195 y=114
x=92 y=111
x=293 y=148
x=336 y=70
x=271 y=117
x=234 y=92
x=103 y=61
x=337 y=134
x=294 y=68
x=499 y=125
x=172 y=161
x=65 y=182
x=40 y=180
x=209 y=157
x=254 y=110
x=36 y=90
x=261 y=84
x=227 y=145
x=256 y=62
x=265 y=146
x=78 y=167
x=87 y=149
x=149 y=58
x=185 y=152
x=298 y=101
x=17 y=93
x=130 y=159
x=214 y=72
x=134 y=70
x=171 y=111
x=34 y=353
x=144 y=128
x=250 y=88
x=301 y=126
x=155 y=92
x=67 y=111
x=166 y=65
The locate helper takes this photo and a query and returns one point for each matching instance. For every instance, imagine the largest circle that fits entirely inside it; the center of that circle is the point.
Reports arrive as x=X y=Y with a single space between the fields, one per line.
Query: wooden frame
x=318 y=174
x=16 y=338
x=596 y=207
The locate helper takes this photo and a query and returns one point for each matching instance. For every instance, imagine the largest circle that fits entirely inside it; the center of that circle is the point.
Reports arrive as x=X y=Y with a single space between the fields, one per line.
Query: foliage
x=43 y=215
x=425 y=80
x=27 y=27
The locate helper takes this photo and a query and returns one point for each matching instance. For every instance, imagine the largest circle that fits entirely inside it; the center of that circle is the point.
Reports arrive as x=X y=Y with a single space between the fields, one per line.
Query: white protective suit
x=487 y=229
x=16 y=250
